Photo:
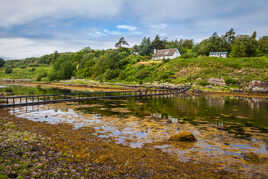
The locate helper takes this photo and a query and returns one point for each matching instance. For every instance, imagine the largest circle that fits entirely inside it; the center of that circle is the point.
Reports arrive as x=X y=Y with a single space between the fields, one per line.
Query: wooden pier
x=10 y=101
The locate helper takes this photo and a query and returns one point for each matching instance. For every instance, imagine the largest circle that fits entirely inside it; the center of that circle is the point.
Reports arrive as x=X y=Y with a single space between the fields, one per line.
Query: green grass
x=237 y=72
x=241 y=70
x=23 y=73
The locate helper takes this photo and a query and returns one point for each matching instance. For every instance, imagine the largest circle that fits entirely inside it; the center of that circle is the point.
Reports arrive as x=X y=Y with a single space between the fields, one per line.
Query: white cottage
x=218 y=54
x=166 y=54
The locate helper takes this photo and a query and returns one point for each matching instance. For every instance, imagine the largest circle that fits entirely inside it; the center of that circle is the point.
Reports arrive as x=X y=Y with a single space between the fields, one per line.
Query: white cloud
x=15 y=12
x=127 y=27
x=22 y=47
x=18 y=48
x=112 y=32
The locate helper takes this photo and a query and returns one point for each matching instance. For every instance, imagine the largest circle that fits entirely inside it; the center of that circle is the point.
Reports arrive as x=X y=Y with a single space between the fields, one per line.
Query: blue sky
x=37 y=27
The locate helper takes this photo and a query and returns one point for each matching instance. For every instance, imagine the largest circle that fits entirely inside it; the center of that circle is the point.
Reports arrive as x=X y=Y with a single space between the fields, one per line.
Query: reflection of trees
x=23 y=90
x=243 y=111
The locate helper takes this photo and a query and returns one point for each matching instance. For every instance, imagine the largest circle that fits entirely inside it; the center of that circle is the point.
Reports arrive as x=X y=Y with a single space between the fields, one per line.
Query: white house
x=218 y=54
x=166 y=54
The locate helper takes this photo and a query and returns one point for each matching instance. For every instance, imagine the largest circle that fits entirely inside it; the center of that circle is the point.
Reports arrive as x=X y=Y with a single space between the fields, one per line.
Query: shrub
x=230 y=81
x=203 y=83
x=8 y=70
x=40 y=75
x=2 y=62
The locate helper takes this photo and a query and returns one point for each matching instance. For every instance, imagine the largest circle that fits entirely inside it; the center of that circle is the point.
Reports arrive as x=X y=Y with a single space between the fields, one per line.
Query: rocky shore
x=39 y=150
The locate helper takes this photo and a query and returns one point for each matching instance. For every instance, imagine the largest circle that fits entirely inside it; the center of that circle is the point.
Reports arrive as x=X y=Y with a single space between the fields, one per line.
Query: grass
x=237 y=72
x=23 y=73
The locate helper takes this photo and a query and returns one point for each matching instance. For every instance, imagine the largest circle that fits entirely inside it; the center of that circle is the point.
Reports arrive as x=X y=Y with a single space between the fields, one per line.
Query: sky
x=32 y=28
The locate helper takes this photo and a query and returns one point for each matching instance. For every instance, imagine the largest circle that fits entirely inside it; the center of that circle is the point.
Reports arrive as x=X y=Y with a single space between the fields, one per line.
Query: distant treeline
x=119 y=63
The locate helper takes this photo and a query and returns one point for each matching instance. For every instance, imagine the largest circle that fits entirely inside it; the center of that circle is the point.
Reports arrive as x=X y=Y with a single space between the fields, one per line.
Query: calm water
x=226 y=127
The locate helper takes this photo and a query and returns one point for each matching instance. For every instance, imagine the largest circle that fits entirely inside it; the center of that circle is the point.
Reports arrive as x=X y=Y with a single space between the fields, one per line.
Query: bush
x=230 y=81
x=2 y=62
x=62 y=69
x=8 y=70
x=203 y=83
x=40 y=75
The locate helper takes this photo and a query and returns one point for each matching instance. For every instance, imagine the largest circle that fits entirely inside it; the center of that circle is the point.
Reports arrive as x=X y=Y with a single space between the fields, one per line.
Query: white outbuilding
x=166 y=54
x=218 y=54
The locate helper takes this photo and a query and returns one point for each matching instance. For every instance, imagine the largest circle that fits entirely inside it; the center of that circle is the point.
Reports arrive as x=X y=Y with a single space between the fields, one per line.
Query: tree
x=244 y=46
x=157 y=43
x=56 y=55
x=121 y=42
x=2 y=62
x=145 y=48
x=229 y=36
x=188 y=43
x=263 y=45
x=8 y=70
x=62 y=69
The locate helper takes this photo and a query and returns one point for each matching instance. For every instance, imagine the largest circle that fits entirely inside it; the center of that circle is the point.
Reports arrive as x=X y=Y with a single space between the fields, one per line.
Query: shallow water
x=226 y=128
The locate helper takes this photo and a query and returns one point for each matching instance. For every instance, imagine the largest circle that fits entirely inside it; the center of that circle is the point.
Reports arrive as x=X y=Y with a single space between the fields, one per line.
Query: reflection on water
x=226 y=128
x=11 y=90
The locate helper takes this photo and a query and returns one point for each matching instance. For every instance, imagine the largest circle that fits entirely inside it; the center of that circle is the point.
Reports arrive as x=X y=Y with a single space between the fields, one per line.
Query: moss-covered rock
x=183 y=136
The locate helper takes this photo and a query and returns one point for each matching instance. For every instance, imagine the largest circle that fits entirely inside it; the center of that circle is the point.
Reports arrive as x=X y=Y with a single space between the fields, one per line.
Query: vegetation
x=2 y=62
x=39 y=150
x=133 y=65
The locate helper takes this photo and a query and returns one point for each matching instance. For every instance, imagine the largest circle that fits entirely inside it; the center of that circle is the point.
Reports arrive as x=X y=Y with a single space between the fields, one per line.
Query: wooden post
x=13 y=100
x=7 y=100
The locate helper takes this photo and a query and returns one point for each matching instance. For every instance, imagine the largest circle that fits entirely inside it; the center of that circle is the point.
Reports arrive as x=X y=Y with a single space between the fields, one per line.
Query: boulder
x=259 y=90
x=258 y=86
x=216 y=81
x=197 y=91
x=183 y=136
x=257 y=83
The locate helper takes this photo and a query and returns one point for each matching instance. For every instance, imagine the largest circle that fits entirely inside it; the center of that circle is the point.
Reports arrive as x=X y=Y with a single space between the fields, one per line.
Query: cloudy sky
x=37 y=27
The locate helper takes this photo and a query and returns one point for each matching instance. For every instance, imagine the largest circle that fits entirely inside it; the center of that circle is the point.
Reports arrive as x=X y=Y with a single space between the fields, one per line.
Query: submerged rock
x=254 y=158
x=184 y=136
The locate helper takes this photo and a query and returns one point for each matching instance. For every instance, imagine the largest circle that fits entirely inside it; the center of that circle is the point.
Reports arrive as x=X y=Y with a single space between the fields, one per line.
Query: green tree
x=145 y=48
x=244 y=46
x=157 y=43
x=2 y=62
x=229 y=36
x=263 y=45
x=62 y=68
x=121 y=42
x=8 y=70
x=188 y=43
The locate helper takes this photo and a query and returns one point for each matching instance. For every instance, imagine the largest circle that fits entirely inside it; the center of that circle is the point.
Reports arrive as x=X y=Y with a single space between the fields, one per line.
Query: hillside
x=122 y=66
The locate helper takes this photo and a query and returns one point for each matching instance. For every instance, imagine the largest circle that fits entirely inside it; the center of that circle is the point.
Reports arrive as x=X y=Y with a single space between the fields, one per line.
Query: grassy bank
x=237 y=72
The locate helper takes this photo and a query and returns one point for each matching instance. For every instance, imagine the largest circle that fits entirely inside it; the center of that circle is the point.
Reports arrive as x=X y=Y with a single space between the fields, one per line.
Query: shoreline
x=117 y=87
x=45 y=150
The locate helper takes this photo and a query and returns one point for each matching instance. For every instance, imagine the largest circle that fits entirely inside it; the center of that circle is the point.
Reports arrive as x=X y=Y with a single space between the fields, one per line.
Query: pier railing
x=9 y=101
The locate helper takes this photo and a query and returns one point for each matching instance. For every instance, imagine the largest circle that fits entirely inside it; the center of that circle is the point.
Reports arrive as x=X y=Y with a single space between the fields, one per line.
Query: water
x=226 y=128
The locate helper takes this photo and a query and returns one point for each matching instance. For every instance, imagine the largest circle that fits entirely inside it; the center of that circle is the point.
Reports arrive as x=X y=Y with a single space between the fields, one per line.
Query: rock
x=237 y=91
x=209 y=86
x=197 y=91
x=259 y=90
x=257 y=83
x=12 y=175
x=251 y=157
x=216 y=81
x=183 y=136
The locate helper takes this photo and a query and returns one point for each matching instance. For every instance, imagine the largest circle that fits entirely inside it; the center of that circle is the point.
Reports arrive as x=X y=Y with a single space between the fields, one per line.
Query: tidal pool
x=228 y=129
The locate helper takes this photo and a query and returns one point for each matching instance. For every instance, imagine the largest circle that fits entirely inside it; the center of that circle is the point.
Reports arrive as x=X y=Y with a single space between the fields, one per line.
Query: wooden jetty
x=10 y=101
